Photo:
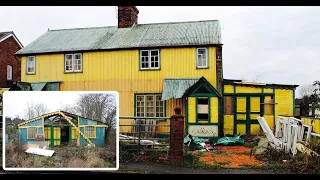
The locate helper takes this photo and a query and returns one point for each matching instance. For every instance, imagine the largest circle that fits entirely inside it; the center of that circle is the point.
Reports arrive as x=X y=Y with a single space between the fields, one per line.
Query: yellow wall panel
x=228 y=124
x=241 y=117
x=270 y=121
x=214 y=112
x=192 y=110
x=255 y=104
x=254 y=116
x=228 y=89
x=241 y=128
x=254 y=129
x=245 y=89
x=241 y=104
x=268 y=90
x=284 y=102
x=315 y=124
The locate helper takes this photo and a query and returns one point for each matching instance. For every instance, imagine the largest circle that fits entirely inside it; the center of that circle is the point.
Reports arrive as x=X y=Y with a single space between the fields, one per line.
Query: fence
x=143 y=134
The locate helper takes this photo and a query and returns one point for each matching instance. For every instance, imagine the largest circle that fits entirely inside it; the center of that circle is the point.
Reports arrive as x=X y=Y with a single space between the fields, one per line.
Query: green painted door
x=246 y=112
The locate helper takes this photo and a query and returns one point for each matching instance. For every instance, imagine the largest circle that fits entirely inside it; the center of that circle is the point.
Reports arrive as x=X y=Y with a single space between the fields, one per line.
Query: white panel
x=39 y=151
x=202 y=108
x=203 y=130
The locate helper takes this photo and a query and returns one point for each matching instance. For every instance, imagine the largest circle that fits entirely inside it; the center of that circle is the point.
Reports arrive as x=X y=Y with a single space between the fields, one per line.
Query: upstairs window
x=31 y=65
x=9 y=72
x=149 y=59
x=202 y=57
x=73 y=62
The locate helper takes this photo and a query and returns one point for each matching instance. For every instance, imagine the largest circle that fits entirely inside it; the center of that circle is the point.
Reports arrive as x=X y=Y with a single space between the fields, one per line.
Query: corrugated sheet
x=175 y=88
x=37 y=86
x=140 y=35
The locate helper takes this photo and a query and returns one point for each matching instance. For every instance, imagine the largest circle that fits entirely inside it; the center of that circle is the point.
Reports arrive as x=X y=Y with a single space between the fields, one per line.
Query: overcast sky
x=278 y=44
x=15 y=103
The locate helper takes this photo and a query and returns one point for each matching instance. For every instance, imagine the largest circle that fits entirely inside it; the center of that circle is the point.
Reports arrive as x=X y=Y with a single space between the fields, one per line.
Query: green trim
x=187 y=115
x=52 y=137
x=202 y=94
x=196 y=109
x=248 y=110
x=235 y=98
x=278 y=86
x=209 y=110
x=70 y=134
x=148 y=49
x=262 y=90
x=220 y=121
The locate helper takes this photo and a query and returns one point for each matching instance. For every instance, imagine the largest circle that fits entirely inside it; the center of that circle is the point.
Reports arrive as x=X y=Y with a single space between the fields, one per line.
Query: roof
x=176 y=88
x=56 y=113
x=138 y=36
x=6 y=35
x=240 y=82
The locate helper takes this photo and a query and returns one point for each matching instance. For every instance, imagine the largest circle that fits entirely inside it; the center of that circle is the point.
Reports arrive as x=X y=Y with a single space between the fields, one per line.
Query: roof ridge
x=178 y=22
x=82 y=28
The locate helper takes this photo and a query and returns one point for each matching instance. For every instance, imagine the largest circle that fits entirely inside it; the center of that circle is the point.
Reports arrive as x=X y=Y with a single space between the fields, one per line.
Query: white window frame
x=9 y=72
x=206 y=49
x=34 y=65
x=73 y=63
x=90 y=134
x=154 y=103
x=149 y=59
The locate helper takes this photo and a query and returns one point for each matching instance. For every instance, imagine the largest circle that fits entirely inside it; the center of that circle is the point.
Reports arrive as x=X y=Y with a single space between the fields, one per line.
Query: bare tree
x=35 y=109
x=306 y=90
x=71 y=108
x=96 y=106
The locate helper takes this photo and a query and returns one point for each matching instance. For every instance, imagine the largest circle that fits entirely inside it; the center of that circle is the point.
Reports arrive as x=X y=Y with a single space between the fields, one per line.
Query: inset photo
x=60 y=130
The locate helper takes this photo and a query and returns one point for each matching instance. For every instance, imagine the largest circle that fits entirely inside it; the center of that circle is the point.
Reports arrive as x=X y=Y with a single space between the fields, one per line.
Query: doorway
x=65 y=133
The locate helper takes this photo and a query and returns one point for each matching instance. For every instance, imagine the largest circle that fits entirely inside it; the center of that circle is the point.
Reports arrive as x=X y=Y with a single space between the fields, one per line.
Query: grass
x=64 y=157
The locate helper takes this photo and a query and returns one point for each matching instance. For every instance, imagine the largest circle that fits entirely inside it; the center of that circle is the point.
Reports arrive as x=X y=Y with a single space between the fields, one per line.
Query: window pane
x=144 y=53
x=201 y=51
x=77 y=56
x=154 y=53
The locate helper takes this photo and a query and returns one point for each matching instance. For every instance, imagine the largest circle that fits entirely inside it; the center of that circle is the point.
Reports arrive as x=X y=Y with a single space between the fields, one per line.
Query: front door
x=246 y=113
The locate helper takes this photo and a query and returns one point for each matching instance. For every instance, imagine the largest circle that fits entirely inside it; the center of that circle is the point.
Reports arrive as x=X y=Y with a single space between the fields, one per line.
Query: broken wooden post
x=176 y=135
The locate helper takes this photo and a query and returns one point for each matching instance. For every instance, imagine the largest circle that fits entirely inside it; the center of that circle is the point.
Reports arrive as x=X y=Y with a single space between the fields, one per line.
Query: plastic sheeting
x=230 y=141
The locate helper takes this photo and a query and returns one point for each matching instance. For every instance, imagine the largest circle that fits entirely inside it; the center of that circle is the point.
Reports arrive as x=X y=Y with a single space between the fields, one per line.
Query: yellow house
x=154 y=67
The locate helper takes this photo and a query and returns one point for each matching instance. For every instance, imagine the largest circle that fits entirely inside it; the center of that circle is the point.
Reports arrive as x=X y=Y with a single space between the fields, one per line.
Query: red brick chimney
x=127 y=16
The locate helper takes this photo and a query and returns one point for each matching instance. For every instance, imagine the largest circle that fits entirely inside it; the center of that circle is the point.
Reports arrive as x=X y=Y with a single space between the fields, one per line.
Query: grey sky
x=281 y=44
x=15 y=102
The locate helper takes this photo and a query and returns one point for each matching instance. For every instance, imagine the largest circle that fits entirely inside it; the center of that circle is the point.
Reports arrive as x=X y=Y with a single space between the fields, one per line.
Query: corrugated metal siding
x=140 y=35
x=175 y=88
x=34 y=123
x=119 y=71
x=99 y=140
x=228 y=89
x=214 y=112
x=192 y=110
x=284 y=102
x=244 y=89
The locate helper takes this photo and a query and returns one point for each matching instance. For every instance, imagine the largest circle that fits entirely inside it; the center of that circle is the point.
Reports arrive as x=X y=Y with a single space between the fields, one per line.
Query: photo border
x=62 y=169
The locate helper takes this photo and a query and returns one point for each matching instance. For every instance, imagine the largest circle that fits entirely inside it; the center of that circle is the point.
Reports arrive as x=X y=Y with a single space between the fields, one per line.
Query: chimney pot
x=127 y=16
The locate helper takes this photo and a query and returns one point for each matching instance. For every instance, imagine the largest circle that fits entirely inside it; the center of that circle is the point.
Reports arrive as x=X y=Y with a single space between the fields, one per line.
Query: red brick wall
x=127 y=16
x=176 y=135
x=8 y=48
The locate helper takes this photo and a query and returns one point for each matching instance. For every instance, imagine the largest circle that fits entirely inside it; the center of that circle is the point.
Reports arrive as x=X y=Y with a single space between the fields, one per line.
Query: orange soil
x=230 y=160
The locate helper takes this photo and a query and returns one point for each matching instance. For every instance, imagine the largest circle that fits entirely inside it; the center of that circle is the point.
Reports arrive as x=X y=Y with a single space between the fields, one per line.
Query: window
x=228 y=105
x=149 y=59
x=203 y=109
x=9 y=72
x=31 y=65
x=73 y=62
x=202 y=57
x=149 y=105
x=31 y=132
x=268 y=105
x=90 y=131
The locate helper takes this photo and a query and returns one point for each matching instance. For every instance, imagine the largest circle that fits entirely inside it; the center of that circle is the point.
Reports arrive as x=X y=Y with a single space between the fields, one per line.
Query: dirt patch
x=234 y=149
